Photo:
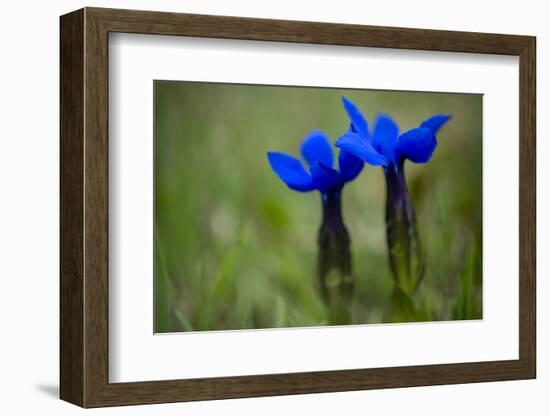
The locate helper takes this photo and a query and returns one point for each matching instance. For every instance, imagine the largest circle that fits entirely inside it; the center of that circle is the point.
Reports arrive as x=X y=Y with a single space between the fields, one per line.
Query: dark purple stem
x=405 y=252
x=334 y=260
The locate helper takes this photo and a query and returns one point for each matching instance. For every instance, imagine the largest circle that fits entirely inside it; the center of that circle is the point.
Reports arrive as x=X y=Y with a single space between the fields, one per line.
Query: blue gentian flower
x=334 y=255
x=322 y=176
x=387 y=148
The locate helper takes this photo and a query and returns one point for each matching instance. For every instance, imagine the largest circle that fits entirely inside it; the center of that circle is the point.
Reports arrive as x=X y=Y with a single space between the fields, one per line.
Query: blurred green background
x=236 y=249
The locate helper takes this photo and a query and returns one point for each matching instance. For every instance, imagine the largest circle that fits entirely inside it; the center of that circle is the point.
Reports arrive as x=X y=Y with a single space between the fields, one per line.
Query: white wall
x=29 y=206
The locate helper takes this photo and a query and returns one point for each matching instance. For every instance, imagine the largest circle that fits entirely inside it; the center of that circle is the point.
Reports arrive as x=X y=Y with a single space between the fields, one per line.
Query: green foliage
x=469 y=296
x=164 y=291
x=235 y=249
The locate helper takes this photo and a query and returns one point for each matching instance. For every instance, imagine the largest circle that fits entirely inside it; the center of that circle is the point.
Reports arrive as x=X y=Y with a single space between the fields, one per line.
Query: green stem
x=403 y=307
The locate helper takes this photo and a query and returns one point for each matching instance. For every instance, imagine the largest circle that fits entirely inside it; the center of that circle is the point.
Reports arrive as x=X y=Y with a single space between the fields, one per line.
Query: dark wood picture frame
x=84 y=207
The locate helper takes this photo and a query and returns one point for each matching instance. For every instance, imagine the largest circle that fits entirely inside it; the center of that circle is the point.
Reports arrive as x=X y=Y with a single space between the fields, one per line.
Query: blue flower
x=385 y=146
x=322 y=176
x=334 y=269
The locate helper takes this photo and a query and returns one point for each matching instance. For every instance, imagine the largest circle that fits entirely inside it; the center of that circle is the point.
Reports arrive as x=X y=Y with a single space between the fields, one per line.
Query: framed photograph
x=255 y=207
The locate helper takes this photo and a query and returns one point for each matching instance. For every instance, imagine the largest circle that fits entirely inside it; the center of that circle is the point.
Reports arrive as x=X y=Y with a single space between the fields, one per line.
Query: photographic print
x=284 y=206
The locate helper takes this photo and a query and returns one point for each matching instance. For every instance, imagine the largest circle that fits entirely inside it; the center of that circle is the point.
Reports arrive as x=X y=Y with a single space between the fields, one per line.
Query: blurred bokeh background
x=236 y=249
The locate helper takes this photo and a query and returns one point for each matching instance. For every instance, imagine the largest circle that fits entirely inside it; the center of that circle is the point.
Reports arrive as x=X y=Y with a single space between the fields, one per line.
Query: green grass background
x=236 y=249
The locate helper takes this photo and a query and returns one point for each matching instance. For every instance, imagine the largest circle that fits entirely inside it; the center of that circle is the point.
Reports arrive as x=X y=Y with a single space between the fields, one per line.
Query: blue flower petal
x=436 y=122
x=325 y=177
x=361 y=148
x=317 y=148
x=417 y=144
x=385 y=137
x=350 y=165
x=291 y=171
x=358 y=121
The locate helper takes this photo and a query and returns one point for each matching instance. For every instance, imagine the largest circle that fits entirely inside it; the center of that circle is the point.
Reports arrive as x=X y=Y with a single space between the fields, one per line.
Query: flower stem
x=406 y=254
x=334 y=260
x=403 y=308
